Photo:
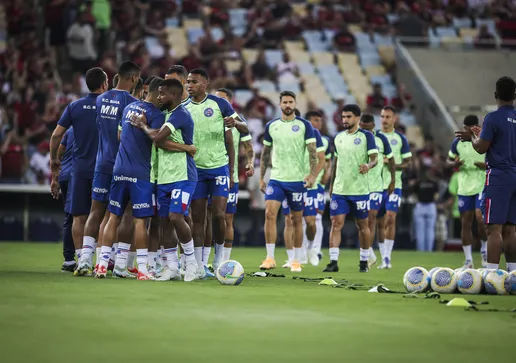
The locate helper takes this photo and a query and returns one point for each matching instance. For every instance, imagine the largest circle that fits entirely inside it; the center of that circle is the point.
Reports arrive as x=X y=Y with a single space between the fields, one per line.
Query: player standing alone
x=355 y=155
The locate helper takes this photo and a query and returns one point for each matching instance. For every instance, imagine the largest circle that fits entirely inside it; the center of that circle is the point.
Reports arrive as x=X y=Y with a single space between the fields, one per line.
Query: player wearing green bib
x=286 y=139
x=375 y=179
x=471 y=180
x=386 y=218
x=355 y=155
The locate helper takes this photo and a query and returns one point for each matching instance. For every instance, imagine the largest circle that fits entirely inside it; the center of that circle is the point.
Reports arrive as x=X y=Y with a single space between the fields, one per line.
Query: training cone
x=328 y=282
x=459 y=302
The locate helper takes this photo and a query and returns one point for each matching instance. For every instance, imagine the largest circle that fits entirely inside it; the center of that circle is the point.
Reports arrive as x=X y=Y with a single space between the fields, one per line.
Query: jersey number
x=221 y=180
x=297 y=197
x=309 y=201
x=394 y=198
x=362 y=205
x=176 y=193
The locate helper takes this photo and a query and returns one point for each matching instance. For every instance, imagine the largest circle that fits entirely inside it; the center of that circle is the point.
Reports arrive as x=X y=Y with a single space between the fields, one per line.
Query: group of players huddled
x=153 y=168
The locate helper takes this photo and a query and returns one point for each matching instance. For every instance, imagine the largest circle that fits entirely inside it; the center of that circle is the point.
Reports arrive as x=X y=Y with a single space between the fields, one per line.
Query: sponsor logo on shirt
x=295 y=128
x=357 y=141
x=125 y=178
x=141 y=206
x=208 y=112
x=100 y=190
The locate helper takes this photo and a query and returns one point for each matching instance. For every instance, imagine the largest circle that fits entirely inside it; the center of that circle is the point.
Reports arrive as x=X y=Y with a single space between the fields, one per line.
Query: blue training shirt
x=81 y=114
x=68 y=158
x=110 y=108
x=135 y=151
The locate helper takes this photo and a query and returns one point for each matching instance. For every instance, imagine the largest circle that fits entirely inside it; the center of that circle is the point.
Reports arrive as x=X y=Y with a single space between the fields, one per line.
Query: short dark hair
x=128 y=69
x=310 y=114
x=471 y=120
x=287 y=93
x=116 y=78
x=228 y=92
x=297 y=112
x=355 y=109
x=155 y=83
x=201 y=72
x=389 y=108
x=139 y=85
x=367 y=118
x=172 y=84
x=95 y=78
x=505 y=89
x=149 y=80
x=178 y=69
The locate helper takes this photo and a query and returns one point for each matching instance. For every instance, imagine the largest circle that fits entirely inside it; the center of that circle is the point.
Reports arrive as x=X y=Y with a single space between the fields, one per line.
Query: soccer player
x=496 y=140
x=471 y=180
x=386 y=218
x=177 y=176
x=215 y=147
x=110 y=106
x=355 y=155
x=81 y=115
x=375 y=178
x=138 y=90
x=60 y=186
x=286 y=139
x=146 y=84
x=240 y=135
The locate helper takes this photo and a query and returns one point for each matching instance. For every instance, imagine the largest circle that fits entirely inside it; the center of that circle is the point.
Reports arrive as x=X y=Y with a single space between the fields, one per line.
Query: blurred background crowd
x=329 y=52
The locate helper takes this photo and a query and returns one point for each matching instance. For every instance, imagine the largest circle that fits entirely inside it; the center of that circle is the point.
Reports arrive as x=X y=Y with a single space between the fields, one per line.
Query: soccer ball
x=494 y=282
x=444 y=281
x=431 y=273
x=469 y=281
x=416 y=279
x=510 y=283
x=230 y=273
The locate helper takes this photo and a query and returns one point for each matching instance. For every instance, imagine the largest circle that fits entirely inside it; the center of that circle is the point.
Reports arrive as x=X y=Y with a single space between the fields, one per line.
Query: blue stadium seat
x=290 y=86
x=462 y=23
x=407 y=118
x=491 y=26
x=392 y=18
x=265 y=86
x=369 y=59
x=243 y=96
x=238 y=17
x=172 y=22
x=383 y=80
x=380 y=39
x=194 y=34
x=306 y=68
x=217 y=34
x=445 y=31
x=434 y=40
x=273 y=57
x=239 y=32
x=11 y=228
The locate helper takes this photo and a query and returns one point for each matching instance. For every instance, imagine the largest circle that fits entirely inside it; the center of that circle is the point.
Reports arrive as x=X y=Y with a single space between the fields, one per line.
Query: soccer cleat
x=111 y=265
x=268 y=264
x=101 y=272
x=190 y=271
x=313 y=258
x=333 y=266
x=484 y=258
x=123 y=273
x=371 y=261
x=468 y=264
x=208 y=272
x=296 y=266
x=84 y=269
x=288 y=264
x=362 y=267
x=213 y=268
x=133 y=270
x=68 y=267
x=182 y=269
x=386 y=263
x=152 y=271
x=145 y=276
x=168 y=275
x=201 y=273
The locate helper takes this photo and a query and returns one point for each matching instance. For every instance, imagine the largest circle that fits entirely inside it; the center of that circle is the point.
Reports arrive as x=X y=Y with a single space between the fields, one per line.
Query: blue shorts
x=469 y=202
x=499 y=204
x=65 y=194
x=80 y=195
x=285 y=208
x=311 y=203
x=139 y=192
x=375 y=200
x=355 y=205
x=231 y=207
x=393 y=201
x=294 y=192
x=212 y=182
x=175 y=197
x=101 y=186
x=320 y=199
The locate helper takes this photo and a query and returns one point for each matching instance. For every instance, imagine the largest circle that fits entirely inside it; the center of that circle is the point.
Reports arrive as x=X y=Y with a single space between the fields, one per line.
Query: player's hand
x=480 y=165
x=391 y=187
x=363 y=169
x=458 y=162
x=229 y=122
x=55 y=166
x=55 y=189
x=249 y=170
x=385 y=161
x=465 y=135
x=309 y=181
x=263 y=186
x=231 y=182
x=138 y=121
x=476 y=130
x=192 y=150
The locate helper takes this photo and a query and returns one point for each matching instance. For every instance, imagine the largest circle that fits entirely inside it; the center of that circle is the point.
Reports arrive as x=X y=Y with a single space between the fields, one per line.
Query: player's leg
x=274 y=196
x=230 y=230
x=154 y=245
x=339 y=208
x=481 y=227
x=288 y=234
x=495 y=209
x=69 y=263
x=208 y=240
x=131 y=258
x=80 y=206
x=392 y=206
x=509 y=246
x=375 y=203
x=467 y=214
x=310 y=228
x=360 y=210
x=219 y=191
x=296 y=193
x=199 y=230
x=319 y=229
x=125 y=233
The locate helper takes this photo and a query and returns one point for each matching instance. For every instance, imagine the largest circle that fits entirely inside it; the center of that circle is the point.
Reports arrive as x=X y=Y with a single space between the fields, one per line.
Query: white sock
x=198 y=256
x=483 y=246
x=318 y=233
x=142 y=257
x=78 y=253
x=226 y=254
x=381 y=247
x=290 y=254
x=334 y=253
x=511 y=266
x=105 y=253
x=206 y=251
x=364 y=254
x=492 y=266
x=97 y=255
x=182 y=260
x=389 y=244
x=467 y=253
x=114 y=248
x=122 y=255
x=371 y=252
x=171 y=257
x=270 y=249
x=298 y=254
x=152 y=259
x=88 y=247
x=130 y=258
x=219 y=250
x=163 y=258
x=189 y=252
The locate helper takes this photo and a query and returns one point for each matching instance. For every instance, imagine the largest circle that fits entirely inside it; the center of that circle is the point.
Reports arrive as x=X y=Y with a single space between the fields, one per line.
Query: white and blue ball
x=431 y=273
x=230 y=272
x=510 y=283
x=444 y=281
x=469 y=281
x=416 y=279
x=494 y=282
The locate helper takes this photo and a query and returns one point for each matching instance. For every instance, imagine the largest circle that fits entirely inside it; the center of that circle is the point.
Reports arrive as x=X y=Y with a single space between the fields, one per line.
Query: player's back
x=135 y=150
x=110 y=108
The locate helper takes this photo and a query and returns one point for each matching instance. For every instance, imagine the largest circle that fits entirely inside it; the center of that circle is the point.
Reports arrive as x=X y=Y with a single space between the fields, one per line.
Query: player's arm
x=57 y=136
x=320 y=149
x=327 y=172
x=406 y=155
x=237 y=123
x=311 y=141
x=333 y=173
x=265 y=161
x=161 y=140
x=453 y=156
x=314 y=159
x=249 y=153
x=230 y=149
x=372 y=152
x=480 y=142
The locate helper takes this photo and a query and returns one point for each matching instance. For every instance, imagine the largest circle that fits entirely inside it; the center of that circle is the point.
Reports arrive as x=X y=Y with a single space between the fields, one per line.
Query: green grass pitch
x=50 y=316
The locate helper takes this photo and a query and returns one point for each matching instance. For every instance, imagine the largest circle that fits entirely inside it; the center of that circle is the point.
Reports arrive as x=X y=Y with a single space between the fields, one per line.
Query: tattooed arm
x=265 y=162
x=314 y=159
x=249 y=152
